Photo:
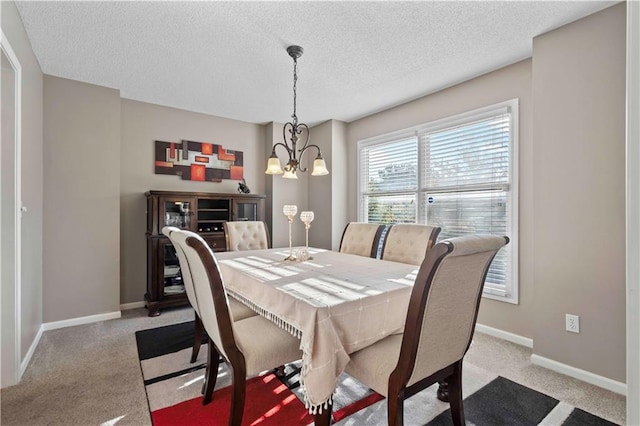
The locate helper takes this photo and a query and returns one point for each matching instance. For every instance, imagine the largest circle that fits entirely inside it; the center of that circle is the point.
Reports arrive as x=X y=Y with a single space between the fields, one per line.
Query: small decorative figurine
x=243 y=188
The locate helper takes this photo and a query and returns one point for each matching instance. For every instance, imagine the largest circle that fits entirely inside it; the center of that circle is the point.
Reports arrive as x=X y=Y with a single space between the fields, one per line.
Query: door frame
x=633 y=212
x=15 y=375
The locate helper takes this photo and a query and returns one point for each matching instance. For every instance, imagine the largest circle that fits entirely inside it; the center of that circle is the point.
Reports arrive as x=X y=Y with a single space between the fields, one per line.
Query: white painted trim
x=80 y=321
x=133 y=305
x=17 y=198
x=30 y=352
x=505 y=335
x=576 y=373
x=633 y=212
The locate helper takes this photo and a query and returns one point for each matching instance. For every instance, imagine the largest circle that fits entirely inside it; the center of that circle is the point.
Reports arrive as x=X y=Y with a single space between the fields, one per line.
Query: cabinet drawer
x=217 y=242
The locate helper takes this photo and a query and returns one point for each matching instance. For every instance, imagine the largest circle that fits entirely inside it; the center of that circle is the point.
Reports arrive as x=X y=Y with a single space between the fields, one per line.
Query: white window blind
x=389 y=181
x=458 y=173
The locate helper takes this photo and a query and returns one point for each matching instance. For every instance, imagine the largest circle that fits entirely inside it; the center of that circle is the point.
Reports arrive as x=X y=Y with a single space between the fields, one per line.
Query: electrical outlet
x=572 y=323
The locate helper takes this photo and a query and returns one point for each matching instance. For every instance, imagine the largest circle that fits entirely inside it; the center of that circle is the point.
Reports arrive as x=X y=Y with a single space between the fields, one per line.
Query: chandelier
x=295 y=130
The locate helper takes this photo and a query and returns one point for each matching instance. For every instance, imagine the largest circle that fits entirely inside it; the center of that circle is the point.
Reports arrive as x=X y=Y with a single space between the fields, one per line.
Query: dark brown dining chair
x=246 y=235
x=249 y=346
x=361 y=239
x=239 y=311
x=441 y=318
x=408 y=242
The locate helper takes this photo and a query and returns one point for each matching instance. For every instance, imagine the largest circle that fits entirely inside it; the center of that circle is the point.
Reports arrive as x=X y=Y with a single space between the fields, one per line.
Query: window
x=458 y=173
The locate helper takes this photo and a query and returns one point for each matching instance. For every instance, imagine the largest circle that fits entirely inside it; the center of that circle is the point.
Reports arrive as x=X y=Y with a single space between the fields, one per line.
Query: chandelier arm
x=307 y=138
x=273 y=151
x=304 y=150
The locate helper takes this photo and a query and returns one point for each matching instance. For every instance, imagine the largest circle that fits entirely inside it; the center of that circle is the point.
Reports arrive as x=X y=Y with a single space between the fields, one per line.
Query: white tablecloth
x=336 y=303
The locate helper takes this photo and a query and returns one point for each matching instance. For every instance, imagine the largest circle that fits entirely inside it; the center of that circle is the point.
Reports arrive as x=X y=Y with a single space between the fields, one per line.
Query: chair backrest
x=185 y=271
x=209 y=291
x=444 y=305
x=408 y=242
x=361 y=239
x=246 y=235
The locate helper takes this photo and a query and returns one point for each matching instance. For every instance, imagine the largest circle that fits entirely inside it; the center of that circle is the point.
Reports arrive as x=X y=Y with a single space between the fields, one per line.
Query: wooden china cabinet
x=200 y=212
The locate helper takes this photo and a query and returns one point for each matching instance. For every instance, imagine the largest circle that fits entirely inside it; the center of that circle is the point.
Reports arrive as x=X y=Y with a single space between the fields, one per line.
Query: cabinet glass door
x=246 y=211
x=176 y=213
x=172 y=278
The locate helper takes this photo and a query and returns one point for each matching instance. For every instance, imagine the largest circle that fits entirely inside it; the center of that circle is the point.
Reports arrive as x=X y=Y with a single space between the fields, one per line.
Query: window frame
x=511 y=295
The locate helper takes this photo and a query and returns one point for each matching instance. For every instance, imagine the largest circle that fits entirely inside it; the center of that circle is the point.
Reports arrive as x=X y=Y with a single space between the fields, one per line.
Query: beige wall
x=507 y=83
x=328 y=194
x=32 y=177
x=81 y=199
x=579 y=192
x=142 y=124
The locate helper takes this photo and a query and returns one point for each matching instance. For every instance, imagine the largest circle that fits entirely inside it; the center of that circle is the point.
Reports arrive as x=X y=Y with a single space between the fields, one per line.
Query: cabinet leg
x=154 y=309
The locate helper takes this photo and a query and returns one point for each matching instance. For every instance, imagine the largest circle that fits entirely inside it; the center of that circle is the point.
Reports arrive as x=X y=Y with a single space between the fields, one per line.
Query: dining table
x=336 y=303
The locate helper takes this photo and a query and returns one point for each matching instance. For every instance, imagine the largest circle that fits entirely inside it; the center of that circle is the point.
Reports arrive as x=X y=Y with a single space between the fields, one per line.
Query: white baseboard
x=133 y=305
x=81 y=320
x=576 y=373
x=29 y=354
x=505 y=335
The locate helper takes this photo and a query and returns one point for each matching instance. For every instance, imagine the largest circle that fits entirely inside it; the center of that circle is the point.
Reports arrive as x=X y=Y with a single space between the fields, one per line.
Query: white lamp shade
x=273 y=166
x=319 y=167
x=290 y=174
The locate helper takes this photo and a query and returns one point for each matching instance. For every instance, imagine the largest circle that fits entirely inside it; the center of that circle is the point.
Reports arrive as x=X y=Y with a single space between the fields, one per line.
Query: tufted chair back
x=246 y=235
x=361 y=239
x=408 y=243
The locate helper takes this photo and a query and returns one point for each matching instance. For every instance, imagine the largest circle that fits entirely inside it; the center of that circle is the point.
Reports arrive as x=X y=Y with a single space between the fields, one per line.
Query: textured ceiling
x=229 y=58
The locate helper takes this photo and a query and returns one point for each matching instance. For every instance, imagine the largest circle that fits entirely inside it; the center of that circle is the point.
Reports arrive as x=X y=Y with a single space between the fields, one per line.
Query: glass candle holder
x=290 y=211
x=307 y=218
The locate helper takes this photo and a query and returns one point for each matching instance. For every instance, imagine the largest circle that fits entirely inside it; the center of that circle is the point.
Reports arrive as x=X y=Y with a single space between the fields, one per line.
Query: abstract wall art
x=200 y=161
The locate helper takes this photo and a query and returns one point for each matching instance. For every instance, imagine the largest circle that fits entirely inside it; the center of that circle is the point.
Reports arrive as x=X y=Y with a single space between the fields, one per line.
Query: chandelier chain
x=295 y=80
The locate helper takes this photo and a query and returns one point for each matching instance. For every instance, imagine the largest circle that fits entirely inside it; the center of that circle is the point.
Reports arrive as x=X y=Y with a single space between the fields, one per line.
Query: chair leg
x=324 y=418
x=455 y=395
x=211 y=375
x=280 y=372
x=395 y=406
x=197 y=341
x=443 y=391
x=239 y=377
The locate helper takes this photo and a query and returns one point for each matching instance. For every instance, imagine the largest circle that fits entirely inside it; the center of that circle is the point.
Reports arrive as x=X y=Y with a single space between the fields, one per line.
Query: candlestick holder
x=307 y=218
x=290 y=211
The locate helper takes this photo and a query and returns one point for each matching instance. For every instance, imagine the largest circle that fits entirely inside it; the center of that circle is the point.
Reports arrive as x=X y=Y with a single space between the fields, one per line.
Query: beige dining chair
x=408 y=242
x=249 y=346
x=239 y=311
x=246 y=235
x=441 y=318
x=361 y=239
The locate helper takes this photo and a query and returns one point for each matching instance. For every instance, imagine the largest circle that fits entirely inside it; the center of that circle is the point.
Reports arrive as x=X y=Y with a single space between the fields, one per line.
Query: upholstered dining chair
x=246 y=235
x=361 y=239
x=249 y=346
x=408 y=242
x=441 y=318
x=239 y=311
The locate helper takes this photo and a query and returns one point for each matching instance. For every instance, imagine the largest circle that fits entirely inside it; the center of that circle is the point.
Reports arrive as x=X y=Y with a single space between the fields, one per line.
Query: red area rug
x=173 y=387
x=268 y=402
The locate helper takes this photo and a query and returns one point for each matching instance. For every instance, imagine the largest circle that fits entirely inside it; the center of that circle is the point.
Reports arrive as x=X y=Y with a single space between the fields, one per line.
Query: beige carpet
x=90 y=375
